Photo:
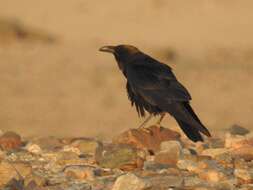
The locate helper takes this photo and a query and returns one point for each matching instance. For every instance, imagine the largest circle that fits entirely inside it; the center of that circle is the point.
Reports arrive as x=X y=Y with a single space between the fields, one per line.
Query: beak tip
x=109 y=49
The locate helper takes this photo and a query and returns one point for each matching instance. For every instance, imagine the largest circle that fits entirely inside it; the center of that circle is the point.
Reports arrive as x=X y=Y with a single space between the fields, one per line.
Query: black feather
x=153 y=87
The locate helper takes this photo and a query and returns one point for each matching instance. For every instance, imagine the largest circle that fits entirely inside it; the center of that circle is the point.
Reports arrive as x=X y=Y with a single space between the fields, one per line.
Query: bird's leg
x=146 y=120
x=161 y=118
x=158 y=123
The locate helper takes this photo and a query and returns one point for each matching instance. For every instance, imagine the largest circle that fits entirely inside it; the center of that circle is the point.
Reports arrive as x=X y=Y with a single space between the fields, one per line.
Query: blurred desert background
x=54 y=81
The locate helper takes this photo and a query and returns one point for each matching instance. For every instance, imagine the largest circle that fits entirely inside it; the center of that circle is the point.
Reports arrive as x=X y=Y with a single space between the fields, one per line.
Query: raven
x=153 y=87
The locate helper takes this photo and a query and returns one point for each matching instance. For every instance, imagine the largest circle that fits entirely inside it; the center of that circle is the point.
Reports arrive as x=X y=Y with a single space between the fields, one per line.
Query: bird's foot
x=159 y=126
x=146 y=130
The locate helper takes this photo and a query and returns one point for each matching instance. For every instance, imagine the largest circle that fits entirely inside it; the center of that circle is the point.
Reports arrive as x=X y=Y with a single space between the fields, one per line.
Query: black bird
x=153 y=87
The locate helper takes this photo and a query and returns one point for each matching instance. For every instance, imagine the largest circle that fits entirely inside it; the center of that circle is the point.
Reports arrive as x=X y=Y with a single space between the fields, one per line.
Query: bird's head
x=122 y=53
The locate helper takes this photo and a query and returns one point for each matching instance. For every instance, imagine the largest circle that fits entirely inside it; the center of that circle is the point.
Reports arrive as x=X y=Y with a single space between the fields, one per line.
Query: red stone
x=149 y=139
x=10 y=141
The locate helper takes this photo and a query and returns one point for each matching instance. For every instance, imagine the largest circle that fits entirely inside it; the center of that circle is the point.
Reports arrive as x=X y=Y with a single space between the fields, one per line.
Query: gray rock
x=153 y=166
x=237 y=130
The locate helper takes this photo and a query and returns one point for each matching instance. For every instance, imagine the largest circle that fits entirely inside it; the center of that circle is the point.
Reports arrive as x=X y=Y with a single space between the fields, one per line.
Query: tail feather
x=202 y=128
x=191 y=132
x=188 y=121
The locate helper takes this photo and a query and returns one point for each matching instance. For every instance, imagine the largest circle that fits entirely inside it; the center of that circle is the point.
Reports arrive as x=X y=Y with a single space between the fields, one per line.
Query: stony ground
x=153 y=159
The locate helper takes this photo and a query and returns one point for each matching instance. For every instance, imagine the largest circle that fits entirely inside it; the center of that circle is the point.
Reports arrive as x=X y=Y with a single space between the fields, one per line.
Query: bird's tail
x=191 y=132
x=189 y=122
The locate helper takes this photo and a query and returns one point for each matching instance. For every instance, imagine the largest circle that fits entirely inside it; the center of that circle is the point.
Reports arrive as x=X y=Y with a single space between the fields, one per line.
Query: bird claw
x=146 y=130
x=159 y=126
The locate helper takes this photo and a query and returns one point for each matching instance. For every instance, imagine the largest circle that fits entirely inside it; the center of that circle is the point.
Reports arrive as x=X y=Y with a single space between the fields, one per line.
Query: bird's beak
x=110 y=49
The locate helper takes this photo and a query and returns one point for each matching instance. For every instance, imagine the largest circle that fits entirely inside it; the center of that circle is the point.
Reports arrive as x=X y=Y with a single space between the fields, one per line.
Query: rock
x=33 y=148
x=237 y=130
x=10 y=141
x=246 y=175
x=234 y=141
x=229 y=184
x=245 y=153
x=240 y=163
x=163 y=181
x=87 y=146
x=67 y=158
x=79 y=172
x=168 y=145
x=120 y=156
x=209 y=164
x=214 y=152
x=212 y=175
x=222 y=155
x=246 y=187
x=48 y=143
x=9 y=171
x=153 y=166
x=188 y=165
x=240 y=146
x=15 y=184
x=212 y=171
x=171 y=152
x=202 y=187
x=68 y=148
x=131 y=182
x=147 y=140
x=199 y=147
x=33 y=178
x=193 y=181
x=216 y=142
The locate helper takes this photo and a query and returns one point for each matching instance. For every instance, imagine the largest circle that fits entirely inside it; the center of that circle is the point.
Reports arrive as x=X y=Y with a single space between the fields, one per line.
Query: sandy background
x=68 y=88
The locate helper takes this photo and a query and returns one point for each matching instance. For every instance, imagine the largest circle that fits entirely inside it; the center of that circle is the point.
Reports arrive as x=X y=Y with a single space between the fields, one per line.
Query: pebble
x=33 y=148
x=131 y=182
x=85 y=164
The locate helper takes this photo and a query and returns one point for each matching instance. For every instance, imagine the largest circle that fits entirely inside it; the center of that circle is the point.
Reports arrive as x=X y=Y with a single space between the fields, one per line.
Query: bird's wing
x=156 y=84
